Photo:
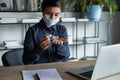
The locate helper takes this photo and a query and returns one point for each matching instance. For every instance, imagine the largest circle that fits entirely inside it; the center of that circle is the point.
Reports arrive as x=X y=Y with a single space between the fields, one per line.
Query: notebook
x=42 y=74
x=107 y=65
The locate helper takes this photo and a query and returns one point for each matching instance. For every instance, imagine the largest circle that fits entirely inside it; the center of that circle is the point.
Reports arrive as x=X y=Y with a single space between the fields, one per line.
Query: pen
x=36 y=76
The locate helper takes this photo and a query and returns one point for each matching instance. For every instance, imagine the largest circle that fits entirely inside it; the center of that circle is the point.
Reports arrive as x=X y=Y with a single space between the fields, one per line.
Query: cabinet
x=11 y=40
x=82 y=37
x=70 y=24
x=94 y=40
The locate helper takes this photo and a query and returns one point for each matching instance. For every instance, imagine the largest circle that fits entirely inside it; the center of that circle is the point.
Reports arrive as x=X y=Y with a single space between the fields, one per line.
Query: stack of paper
x=30 y=20
x=83 y=20
x=12 y=44
x=92 y=40
x=43 y=74
x=8 y=20
x=68 y=19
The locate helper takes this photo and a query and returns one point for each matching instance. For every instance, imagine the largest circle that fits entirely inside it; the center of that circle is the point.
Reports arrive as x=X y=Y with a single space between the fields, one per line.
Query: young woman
x=46 y=41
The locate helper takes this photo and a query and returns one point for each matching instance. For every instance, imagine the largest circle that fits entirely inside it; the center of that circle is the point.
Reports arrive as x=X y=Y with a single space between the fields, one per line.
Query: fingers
x=60 y=42
x=64 y=39
x=45 y=42
x=47 y=37
x=57 y=41
x=44 y=47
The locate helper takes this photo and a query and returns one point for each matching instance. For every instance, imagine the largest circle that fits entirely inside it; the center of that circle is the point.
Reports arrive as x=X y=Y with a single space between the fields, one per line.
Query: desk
x=14 y=73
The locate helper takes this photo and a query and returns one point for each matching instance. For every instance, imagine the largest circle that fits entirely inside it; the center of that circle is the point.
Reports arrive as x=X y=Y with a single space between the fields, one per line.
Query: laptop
x=107 y=64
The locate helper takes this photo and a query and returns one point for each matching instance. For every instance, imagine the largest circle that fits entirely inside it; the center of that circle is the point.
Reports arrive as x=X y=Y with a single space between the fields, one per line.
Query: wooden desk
x=14 y=73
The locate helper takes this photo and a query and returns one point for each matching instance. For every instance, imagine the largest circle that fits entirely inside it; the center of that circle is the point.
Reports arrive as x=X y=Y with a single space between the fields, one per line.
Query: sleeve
x=31 y=54
x=63 y=50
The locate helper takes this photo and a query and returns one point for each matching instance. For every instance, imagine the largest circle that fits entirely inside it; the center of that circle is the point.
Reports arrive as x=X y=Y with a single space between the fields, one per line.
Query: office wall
x=116 y=29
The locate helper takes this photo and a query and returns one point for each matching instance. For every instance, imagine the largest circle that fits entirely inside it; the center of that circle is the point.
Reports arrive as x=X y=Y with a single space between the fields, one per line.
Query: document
x=43 y=74
x=68 y=19
x=12 y=44
x=83 y=20
x=30 y=20
x=8 y=20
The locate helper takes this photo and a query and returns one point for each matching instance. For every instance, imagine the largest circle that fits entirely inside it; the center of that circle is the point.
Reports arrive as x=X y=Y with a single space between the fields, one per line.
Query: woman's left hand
x=59 y=41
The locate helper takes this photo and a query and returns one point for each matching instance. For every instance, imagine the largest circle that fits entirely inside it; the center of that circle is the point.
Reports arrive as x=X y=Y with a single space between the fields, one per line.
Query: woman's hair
x=50 y=3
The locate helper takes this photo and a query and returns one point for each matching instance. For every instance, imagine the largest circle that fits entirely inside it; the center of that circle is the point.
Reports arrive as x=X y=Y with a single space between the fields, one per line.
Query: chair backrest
x=13 y=57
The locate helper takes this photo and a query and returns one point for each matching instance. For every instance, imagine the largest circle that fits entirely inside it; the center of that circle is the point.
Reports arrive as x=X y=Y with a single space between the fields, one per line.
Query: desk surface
x=14 y=73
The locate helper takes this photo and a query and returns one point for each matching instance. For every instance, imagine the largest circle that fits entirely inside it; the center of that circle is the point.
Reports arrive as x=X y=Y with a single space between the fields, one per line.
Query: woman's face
x=52 y=12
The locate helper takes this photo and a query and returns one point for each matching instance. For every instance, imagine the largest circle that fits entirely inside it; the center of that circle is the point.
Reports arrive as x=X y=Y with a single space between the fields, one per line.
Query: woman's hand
x=59 y=41
x=45 y=42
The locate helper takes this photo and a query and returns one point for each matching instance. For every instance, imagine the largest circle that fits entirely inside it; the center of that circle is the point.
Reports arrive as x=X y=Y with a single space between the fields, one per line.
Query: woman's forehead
x=53 y=9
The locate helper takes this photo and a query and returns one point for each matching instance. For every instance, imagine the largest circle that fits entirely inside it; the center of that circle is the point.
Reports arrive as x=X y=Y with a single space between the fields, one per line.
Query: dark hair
x=50 y=3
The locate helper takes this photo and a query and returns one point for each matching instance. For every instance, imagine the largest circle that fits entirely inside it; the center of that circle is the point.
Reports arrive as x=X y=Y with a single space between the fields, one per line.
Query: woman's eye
x=57 y=14
x=48 y=13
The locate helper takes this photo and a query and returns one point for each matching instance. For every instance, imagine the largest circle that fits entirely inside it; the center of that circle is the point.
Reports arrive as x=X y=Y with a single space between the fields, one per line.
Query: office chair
x=13 y=57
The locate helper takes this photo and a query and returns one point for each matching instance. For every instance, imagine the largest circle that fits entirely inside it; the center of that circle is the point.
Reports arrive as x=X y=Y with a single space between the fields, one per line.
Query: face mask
x=49 y=21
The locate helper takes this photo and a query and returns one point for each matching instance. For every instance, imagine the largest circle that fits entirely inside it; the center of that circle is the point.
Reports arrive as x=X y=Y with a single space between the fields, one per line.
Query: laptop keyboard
x=83 y=72
x=87 y=74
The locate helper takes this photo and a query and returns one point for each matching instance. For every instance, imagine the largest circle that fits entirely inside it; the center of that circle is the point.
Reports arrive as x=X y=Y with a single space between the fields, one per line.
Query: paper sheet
x=44 y=74
x=68 y=19
x=30 y=20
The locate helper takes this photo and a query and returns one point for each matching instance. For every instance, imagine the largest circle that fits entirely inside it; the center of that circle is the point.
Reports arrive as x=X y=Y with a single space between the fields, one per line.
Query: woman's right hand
x=45 y=42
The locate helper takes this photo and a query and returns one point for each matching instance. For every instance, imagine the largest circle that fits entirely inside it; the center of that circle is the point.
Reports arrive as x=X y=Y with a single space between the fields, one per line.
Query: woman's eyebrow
x=48 y=11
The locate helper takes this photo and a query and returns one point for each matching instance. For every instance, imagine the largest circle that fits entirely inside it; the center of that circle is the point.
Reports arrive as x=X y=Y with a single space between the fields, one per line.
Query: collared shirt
x=54 y=53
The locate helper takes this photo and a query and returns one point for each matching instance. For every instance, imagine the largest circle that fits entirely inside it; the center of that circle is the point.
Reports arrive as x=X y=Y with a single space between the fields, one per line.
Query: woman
x=46 y=41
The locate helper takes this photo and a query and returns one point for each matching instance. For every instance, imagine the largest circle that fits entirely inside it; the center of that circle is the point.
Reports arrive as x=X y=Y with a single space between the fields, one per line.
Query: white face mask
x=49 y=21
